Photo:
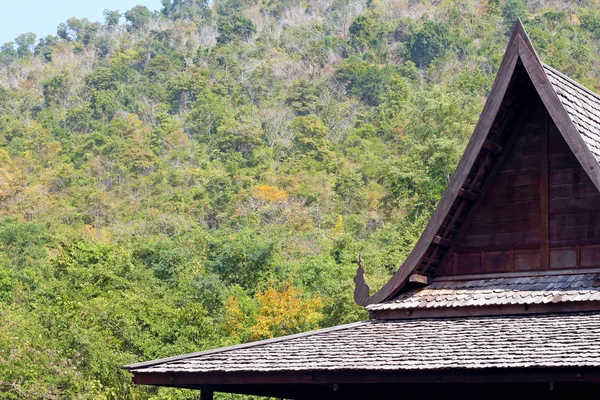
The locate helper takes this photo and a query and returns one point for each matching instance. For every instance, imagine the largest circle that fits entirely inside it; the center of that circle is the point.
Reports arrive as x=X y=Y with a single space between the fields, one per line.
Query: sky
x=43 y=16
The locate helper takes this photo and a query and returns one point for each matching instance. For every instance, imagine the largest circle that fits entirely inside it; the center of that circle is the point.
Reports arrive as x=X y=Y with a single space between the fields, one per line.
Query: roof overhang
x=407 y=355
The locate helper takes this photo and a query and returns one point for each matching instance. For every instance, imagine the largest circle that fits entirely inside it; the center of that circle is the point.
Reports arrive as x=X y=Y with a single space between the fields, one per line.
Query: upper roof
x=542 y=341
x=582 y=105
x=575 y=111
x=465 y=294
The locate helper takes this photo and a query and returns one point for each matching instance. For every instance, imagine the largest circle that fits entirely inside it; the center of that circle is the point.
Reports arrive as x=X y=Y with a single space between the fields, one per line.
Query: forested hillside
x=207 y=173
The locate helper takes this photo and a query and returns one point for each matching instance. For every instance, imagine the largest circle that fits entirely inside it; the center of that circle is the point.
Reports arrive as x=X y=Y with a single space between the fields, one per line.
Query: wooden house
x=500 y=297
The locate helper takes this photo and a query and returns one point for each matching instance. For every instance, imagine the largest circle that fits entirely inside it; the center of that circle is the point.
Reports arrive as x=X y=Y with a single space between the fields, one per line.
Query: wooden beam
x=442 y=242
x=491 y=146
x=256 y=378
x=498 y=275
x=421 y=279
x=486 y=311
x=468 y=194
x=543 y=154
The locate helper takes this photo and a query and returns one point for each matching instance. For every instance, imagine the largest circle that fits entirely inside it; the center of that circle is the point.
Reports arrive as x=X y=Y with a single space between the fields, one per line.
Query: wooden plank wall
x=542 y=211
x=574 y=215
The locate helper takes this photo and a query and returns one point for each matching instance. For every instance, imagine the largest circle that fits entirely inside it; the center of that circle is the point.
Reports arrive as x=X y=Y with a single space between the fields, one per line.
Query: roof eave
x=151 y=363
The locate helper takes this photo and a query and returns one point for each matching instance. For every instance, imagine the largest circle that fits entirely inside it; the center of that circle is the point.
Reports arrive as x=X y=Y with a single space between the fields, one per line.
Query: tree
x=310 y=138
x=137 y=18
x=366 y=80
x=367 y=31
x=512 y=11
x=7 y=53
x=429 y=41
x=284 y=311
x=111 y=18
x=590 y=21
x=56 y=89
x=234 y=26
x=25 y=43
x=185 y=9
x=243 y=259
x=348 y=187
x=302 y=97
x=45 y=47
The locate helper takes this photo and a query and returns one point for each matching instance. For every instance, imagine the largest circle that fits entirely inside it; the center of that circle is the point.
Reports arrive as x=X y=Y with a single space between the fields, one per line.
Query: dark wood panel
x=524 y=163
x=570 y=206
x=568 y=175
x=501 y=239
x=497 y=261
x=518 y=194
x=590 y=256
x=526 y=147
x=557 y=144
x=557 y=236
x=468 y=263
x=515 y=179
x=561 y=155
x=527 y=260
x=575 y=220
x=563 y=257
x=559 y=147
x=574 y=190
x=563 y=160
x=532 y=246
x=527 y=207
x=519 y=223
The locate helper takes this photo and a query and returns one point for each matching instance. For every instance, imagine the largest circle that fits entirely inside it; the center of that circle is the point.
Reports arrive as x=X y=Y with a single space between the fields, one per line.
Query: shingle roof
x=582 y=105
x=561 y=340
x=498 y=291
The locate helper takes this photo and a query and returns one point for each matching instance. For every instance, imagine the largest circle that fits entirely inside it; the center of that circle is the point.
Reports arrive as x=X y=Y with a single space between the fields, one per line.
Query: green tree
x=512 y=11
x=137 y=18
x=428 y=42
x=243 y=259
x=111 y=18
x=303 y=97
x=25 y=43
x=234 y=26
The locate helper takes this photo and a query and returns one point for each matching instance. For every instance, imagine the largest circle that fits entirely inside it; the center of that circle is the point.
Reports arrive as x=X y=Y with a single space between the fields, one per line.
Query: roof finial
x=361 y=289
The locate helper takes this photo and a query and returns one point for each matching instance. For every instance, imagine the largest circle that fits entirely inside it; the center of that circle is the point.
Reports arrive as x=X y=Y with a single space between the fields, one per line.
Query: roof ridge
x=244 y=345
x=571 y=80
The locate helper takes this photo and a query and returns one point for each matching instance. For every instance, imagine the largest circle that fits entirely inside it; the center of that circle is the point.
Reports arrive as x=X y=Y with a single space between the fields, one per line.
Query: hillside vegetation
x=207 y=173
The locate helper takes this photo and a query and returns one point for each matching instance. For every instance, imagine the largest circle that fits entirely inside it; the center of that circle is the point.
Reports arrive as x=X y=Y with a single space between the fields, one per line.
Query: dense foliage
x=207 y=173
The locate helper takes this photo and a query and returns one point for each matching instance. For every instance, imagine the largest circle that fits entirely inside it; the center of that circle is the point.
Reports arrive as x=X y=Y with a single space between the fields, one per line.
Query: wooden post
x=206 y=394
x=544 y=138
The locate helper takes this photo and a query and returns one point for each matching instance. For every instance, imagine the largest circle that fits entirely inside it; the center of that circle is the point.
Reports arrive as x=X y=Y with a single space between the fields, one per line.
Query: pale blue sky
x=43 y=16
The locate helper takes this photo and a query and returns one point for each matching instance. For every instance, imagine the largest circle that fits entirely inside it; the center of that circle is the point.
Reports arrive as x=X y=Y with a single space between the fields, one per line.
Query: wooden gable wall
x=541 y=212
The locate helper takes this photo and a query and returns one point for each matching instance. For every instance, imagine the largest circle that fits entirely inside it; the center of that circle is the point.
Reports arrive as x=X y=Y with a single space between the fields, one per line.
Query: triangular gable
x=574 y=110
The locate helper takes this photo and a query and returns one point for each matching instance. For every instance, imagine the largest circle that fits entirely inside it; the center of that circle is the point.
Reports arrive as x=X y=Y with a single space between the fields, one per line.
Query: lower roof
x=475 y=343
